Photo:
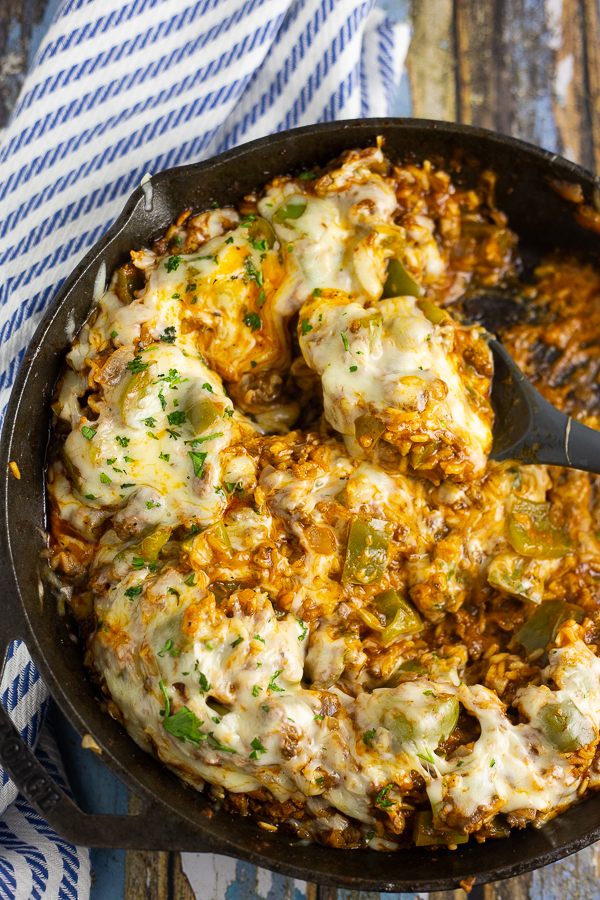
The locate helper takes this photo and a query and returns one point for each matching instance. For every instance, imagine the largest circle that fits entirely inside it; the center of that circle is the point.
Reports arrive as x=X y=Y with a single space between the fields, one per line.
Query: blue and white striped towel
x=119 y=89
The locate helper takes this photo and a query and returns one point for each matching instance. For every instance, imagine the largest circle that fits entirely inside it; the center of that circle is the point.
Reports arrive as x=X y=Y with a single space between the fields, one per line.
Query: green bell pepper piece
x=138 y=387
x=400 y=617
x=432 y=720
x=373 y=325
x=531 y=533
x=399 y=282
x=507 y=573
x=542 y=627
x=149 y=548
x=127 y=280
x=565 y=727
x=425 y=835
x=420 y=454
x=290 y=210
x=432 y=312
x=366 y=554
x=497 y=827
x=202 y=415
x=368 y=430
x=260 y=230
x=224 y=589
x=216 y=706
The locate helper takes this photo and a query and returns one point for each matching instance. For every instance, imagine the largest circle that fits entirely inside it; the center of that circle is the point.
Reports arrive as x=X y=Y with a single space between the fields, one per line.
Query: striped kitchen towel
x=118 y=89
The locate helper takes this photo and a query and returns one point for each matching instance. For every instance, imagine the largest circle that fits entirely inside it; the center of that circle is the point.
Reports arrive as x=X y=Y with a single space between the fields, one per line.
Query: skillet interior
x=543 y=222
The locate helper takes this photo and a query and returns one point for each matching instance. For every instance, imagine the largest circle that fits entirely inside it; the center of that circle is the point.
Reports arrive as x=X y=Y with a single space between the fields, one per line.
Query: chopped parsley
x=173 y=434
x=252 y=273
x=89 y=433
x=197 y=458
x=207 y=387
x=305 y=327
x=266 y=708
x=169 y=335
x=172 y=264
x=132 y=592
x=185 y=726
x=123 y=441
x=227 y=413
x=237 y=641
x=114 y=334
x=169 y=648
x=105 y=479
x=257 y=637
x=165 y=456
x=317 y=292
x=368 y=738
x=253 y=321
x=353 y=368
x=307 y=176
x=136 y=364
x=203 y=682
x=138 y=563
x=255 y=690
x=382 y=800
x=304 y=629
x=257 y=748
x=427 y=757
x=172 y=590
x=272 y=685
x=176 y=418
x=218 y=745
x=190 y=580
x=345 y=340
x=150 y=422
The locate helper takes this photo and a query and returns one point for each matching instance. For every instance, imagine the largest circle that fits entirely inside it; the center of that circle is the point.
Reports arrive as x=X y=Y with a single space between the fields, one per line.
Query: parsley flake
x=172 y=264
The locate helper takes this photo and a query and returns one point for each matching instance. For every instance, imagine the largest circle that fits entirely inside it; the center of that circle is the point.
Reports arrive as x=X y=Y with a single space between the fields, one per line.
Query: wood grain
x=570 y=96
x=511 y=889
x=591 y=19
x=431 y=60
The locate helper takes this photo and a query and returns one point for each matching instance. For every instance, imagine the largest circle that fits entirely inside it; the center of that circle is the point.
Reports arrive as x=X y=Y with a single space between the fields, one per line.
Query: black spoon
x=529 y=429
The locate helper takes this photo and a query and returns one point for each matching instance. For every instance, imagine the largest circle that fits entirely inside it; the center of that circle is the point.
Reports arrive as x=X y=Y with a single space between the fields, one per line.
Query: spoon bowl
x=529 y=429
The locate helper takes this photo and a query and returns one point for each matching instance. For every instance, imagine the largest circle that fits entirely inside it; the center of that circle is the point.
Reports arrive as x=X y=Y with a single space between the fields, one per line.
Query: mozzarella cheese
x=212 y=541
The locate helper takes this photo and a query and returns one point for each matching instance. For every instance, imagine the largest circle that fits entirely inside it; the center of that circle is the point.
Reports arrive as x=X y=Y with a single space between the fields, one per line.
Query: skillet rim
x=22 y=620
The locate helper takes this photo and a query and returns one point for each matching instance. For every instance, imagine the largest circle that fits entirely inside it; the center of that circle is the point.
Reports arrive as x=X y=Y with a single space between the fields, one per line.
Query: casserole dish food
x=470 y=153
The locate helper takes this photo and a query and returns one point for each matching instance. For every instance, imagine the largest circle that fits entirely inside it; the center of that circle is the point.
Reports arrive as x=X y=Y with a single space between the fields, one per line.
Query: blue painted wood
x=96 y=790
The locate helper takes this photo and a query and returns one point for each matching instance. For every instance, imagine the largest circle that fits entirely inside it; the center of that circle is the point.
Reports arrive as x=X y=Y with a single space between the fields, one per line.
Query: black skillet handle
x=155 y=828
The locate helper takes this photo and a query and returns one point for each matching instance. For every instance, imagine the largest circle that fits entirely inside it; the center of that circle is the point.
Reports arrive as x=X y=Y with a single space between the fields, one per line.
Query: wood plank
x=511 y=889
x=591 y=17
x=431 y=60
x=507 y=79
x=575 y=877
x=179 y=884
x=146 y=871
x=570 y=97
x=214 y=877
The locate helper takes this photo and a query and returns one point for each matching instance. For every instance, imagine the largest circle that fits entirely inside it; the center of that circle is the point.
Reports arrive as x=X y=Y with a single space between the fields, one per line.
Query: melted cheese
x=226 y=637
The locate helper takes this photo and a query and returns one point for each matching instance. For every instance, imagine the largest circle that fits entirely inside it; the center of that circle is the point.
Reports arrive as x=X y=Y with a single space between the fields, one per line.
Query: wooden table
x=529 y=68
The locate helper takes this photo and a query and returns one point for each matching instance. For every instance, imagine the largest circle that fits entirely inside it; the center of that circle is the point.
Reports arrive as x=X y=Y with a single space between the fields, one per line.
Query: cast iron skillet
x=175 y=817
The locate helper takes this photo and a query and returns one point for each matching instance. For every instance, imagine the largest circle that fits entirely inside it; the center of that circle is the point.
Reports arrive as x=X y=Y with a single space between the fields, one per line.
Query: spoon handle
x=529 y=429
